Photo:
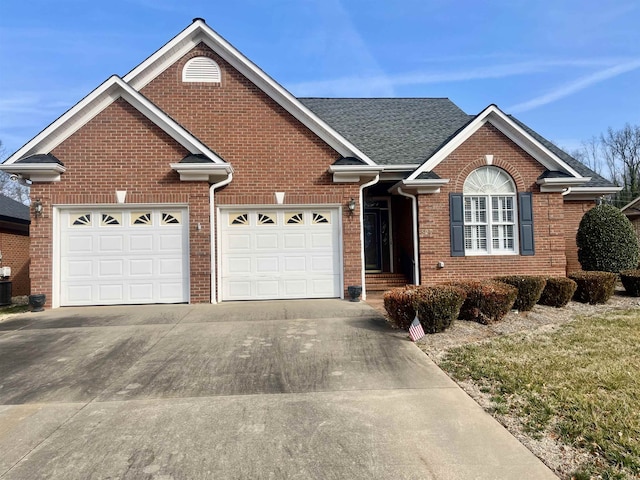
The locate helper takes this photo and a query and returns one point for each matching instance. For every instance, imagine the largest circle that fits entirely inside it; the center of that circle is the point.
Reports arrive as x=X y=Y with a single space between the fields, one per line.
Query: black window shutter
x=456 y=224
x=527 y=246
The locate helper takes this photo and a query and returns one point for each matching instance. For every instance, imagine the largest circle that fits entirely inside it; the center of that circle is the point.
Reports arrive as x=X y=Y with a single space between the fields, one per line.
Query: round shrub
x=557 y=292
x=487 y=301
x=606 y=241
x=529 y=290
x=438 y=306
x=631 y=282
x=398 y=302
x=594 y=287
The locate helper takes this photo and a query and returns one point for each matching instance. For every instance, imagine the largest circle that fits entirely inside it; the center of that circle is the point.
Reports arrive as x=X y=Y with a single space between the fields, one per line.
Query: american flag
x=415 y=330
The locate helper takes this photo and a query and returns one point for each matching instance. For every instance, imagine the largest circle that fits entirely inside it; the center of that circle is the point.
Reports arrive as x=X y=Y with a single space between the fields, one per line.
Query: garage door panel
x=285 y=253
x=266 y=241
x=141 y=267
x=110 y=243
x=108 y=268
x=140 y=243
x=79 y=244
x=267 y=265
x=119 y=257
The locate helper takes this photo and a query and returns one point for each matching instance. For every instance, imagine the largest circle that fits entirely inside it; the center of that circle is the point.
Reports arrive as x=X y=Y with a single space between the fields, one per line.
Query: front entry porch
x=388 y=239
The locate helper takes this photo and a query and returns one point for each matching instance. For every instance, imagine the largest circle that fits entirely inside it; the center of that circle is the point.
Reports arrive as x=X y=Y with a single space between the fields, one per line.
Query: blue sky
x=568 y=69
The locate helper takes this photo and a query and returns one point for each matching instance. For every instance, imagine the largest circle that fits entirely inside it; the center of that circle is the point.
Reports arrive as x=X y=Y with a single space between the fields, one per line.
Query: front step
x=380 y=282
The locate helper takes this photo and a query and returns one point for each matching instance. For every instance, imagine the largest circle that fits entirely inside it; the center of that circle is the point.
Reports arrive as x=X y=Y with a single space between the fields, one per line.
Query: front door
x=377 y=247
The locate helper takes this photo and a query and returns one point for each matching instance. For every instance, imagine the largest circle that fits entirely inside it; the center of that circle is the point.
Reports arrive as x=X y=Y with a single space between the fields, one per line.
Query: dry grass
x=579 y=384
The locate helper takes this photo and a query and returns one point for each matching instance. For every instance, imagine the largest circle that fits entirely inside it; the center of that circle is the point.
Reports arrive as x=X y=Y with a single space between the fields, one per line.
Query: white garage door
x=284 y=253
x=111 y=256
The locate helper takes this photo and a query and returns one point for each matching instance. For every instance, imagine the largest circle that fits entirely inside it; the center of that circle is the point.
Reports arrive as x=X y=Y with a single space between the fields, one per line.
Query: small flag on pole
x=416 y=331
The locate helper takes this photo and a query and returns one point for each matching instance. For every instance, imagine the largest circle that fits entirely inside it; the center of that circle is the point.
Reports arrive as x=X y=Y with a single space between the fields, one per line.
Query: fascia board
x=509 y=128
x=563 y=181
x=590 y=193
x=422 y=186
x=359 y=169
x=202 y=172
x=201 y=32
x=94 y=103
x=36 y=172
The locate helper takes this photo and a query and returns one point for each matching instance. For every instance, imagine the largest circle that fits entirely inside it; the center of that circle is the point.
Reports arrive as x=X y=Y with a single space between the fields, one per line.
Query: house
x=14 y=243
x=632 y=211
x=196 y=177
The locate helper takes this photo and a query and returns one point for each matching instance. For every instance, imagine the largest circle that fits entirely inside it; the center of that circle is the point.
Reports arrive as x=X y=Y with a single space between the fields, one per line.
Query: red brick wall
x=120 y=149
x=574 y=211
x=268 y=148
x=549 y=215
x=15 y=254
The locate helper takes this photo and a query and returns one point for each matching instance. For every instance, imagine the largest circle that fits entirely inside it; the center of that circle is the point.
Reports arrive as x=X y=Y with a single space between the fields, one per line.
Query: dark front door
x=372 y=247
x=377 y=247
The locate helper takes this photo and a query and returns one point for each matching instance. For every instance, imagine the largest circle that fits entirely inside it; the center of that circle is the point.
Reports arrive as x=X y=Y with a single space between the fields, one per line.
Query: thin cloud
x=362 y=85
x=576 y=86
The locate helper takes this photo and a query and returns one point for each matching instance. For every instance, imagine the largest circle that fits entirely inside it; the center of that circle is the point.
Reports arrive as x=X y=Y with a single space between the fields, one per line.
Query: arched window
x=490 y=212
x=201 y=69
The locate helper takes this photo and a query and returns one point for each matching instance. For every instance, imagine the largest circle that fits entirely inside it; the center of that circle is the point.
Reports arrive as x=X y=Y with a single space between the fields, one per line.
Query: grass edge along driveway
x=578 y=384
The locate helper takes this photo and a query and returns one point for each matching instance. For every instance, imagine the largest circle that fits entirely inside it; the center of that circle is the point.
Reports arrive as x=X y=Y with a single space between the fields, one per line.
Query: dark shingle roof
x=391 y=131
x=41 y=158
x=349 y=161
x=11 y=210
x=428 y=176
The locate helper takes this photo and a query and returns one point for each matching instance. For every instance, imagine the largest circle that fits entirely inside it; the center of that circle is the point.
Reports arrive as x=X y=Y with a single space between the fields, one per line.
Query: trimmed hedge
x=606 y=241
x=631 y=282
x=486 y=301
x=594 y=287
x=529 y=290
x=398 y=302
x=558 y=292
x=438 y=306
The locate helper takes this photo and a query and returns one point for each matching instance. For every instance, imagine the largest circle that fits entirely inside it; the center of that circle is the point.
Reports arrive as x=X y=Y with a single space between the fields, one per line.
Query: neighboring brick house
x=198 y=178
x=632 y=211
x=14 y=243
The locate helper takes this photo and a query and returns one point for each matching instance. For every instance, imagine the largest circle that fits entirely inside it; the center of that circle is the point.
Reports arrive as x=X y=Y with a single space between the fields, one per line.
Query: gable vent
x=201 y=69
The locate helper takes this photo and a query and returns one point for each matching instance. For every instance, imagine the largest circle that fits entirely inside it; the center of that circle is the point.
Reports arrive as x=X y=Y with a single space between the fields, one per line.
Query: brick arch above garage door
x=109 y=255
x=280 y=253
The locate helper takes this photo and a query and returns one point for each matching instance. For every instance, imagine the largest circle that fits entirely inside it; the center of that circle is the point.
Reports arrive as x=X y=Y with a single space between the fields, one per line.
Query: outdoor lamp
x=352 y=206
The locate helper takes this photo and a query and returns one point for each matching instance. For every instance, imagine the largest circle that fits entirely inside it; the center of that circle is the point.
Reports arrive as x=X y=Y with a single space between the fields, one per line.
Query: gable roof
x=94 y=103
x=505 y=124
x=199 y=32
x=13 y=211
x=391 y=131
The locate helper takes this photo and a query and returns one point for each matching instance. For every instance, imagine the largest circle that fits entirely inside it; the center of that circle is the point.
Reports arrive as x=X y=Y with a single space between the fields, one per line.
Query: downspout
x=212 y=236
x=362 y=187
x=566 y=192
x=416 y=255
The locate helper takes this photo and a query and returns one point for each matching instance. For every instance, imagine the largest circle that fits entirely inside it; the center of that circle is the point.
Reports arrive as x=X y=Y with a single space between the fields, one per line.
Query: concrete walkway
x=313 y=389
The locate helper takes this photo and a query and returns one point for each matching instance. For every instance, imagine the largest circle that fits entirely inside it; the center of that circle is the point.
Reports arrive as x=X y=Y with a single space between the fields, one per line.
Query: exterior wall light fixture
x=37 y=207
x=352 y=206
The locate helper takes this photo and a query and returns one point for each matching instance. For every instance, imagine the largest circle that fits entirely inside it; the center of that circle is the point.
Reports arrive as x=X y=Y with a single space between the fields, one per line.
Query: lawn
x=578 y=384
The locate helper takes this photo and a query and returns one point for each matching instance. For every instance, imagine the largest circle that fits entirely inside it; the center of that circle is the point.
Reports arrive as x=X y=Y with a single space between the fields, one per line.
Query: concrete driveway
x=313 y=389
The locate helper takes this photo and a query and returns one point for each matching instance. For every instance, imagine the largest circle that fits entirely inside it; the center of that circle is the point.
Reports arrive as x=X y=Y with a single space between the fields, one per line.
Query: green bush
x=529 y=290
x=631 y=282
x=606 y=241
x=486 y=301
x=558 y=291
x=438 y=306
x=398 y=302
x=594 y=287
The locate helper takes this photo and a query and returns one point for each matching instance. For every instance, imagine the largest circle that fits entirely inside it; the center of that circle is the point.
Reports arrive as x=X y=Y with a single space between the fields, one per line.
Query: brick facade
x=574 y=211
x=15 y=254
x=120 y=149
x=433 y=212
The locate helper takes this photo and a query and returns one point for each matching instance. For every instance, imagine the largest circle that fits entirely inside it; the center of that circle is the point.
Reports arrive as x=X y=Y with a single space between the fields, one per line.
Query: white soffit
x=94 y=103
x=492 y=114
x=200 y=32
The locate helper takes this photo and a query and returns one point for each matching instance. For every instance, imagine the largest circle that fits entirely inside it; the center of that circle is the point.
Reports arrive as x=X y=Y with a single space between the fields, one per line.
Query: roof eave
x=36 y=172
x=590 y=193
x=550 y=185
x=199 y=172
x=421 y=186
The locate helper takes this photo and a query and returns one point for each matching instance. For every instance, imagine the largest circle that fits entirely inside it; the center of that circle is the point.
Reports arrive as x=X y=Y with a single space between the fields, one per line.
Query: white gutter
x=362 y=187
x=212 y=235
x=416 y=254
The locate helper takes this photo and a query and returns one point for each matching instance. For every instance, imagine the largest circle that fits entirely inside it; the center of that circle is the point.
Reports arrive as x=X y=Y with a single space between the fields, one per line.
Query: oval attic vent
x=201 y=69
